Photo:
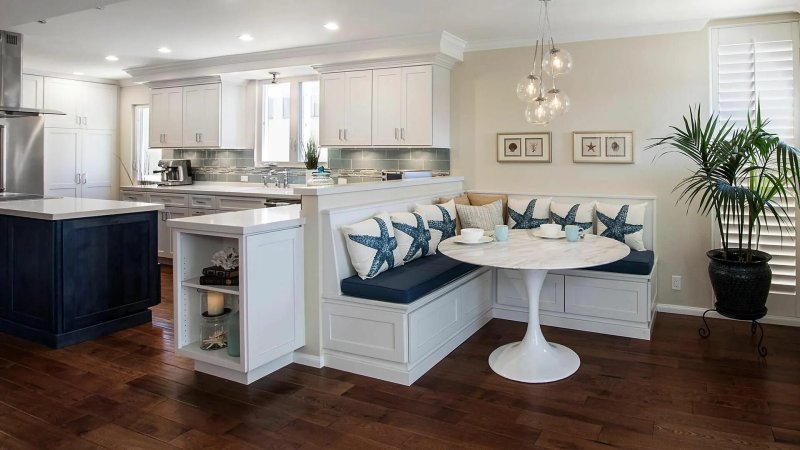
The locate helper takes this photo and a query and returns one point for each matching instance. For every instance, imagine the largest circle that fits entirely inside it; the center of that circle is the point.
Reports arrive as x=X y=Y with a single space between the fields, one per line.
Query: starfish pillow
x=528 y=213
x=441 y=221
x=372 y=246
x=624 y=223
x=413 y=235
x=579 y=214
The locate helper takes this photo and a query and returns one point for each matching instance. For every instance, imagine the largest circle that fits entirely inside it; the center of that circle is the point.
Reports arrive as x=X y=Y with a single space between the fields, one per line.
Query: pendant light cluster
x=550 y=61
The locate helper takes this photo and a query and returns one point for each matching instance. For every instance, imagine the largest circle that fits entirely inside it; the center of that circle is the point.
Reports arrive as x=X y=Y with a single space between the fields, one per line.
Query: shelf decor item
x=225 y=271
x=524 y=147
x=214 y=331
x=321 y=177
x=607 y=147
x=311 y=153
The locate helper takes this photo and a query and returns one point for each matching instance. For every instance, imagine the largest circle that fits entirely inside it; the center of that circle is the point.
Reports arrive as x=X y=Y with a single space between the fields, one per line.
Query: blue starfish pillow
x=624 y=223
x=528 y=213
x=413 y=235
x=580 y=214
x=372 y=246
x=441 y=221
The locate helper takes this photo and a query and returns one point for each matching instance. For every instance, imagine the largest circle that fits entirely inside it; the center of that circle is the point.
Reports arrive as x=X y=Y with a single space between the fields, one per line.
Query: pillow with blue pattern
x=580 y=214
x=413 y=235
x=372 y=246
x=441 y=221
x=528 y=213
x=624 y=223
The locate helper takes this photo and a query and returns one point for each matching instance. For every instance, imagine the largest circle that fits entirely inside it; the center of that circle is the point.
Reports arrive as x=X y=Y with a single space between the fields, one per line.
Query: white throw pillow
x=484 y=217
x=528 y=213
x=624 y=223
x=579 y=214
x=413 y=235
x=372 y=246
x=441 y=221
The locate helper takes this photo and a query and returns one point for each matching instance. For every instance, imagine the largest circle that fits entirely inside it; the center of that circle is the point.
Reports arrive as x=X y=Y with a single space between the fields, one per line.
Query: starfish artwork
x=526 y=220
x=420 y=236
x=447 y=225
x=384 y=246
x=617 y=228
x=569 y=219
x=590 y=147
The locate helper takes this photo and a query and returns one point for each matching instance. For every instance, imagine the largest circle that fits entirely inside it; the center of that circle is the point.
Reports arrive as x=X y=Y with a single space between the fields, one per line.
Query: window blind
x=759 y=63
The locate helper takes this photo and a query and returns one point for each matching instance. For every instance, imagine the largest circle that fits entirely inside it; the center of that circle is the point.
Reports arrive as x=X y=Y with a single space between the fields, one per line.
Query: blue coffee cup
x=501 y=233
x=573 y=232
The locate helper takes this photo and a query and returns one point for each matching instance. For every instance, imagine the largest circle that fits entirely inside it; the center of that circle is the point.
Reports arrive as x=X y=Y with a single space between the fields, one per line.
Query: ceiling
x=77 y=35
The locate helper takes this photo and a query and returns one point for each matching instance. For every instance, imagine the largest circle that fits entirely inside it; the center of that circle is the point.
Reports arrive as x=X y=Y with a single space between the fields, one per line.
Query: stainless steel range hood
x=11 y=78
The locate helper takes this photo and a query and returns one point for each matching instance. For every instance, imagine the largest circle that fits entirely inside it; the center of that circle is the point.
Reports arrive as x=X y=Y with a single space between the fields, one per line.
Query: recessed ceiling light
x=332 y=26
x=164 y=50
x=111 y=58
x=77 y=73
x=245 y=37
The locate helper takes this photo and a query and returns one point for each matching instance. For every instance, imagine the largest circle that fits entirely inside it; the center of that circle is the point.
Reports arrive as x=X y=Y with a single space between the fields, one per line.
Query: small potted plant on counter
x=311 y=153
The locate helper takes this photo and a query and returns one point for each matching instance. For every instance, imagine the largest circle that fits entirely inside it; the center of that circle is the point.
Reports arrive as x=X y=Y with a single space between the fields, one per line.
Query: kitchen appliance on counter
x=387 y=175
x=175 y=172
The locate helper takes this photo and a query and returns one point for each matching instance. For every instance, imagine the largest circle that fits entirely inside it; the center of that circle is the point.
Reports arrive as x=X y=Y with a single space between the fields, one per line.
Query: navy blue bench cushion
x=408 y=282
x=636 y=263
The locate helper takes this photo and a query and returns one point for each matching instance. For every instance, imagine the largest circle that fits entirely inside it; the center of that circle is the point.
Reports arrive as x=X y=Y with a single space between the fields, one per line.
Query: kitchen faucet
x=272 y=176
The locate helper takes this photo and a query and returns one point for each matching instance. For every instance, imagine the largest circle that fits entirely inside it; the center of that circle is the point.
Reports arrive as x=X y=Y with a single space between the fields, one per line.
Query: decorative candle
x=216 y=303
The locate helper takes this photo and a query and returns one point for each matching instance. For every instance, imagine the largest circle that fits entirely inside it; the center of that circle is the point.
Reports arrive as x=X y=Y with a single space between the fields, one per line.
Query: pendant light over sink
x=549 y=62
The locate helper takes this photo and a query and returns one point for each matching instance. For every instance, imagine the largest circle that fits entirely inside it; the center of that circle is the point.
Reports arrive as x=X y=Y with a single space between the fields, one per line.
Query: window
x=145 y=159
x=291 y=118
x=759 y=63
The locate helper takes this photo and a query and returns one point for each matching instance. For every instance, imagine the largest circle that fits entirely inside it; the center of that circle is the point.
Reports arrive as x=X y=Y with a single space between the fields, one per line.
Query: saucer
x=482 y=240
x=560 y=235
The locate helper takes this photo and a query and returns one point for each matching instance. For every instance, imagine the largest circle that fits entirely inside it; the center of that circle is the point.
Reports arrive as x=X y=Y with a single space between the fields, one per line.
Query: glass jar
x=214 y=331
x=321 y=179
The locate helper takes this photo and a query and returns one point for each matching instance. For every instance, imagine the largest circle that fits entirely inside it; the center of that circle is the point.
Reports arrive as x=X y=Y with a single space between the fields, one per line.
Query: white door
x=166 y=117
x=97 y=158
x=358 y=108
x=65 y=96
x=32 y=91
x=331 y=103
x=201 y=115
x=417 y=114
x=386 y=106
x=101 y=106
x=62 y=162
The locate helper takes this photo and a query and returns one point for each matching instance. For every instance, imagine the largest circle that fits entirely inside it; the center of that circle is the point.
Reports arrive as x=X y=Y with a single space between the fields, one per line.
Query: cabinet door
x=331 y=118
x=62 y=162
x=386 y=106
x=65 y=96
x=97 y=164
x=101 y=106
x=358 y=108
x=166 y=117
x=417 y=106
x=32 y=91
x=201 y=115
x=172 y=212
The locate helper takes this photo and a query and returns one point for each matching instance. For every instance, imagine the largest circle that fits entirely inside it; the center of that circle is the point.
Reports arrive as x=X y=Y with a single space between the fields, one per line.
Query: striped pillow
x=485 y=216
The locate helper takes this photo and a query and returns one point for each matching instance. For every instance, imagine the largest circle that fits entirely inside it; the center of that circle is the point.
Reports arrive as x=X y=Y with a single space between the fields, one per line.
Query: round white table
x=534 y=360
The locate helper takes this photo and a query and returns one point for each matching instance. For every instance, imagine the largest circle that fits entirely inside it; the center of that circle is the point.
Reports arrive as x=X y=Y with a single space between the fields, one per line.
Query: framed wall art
x=523 y=147
x=608 y=147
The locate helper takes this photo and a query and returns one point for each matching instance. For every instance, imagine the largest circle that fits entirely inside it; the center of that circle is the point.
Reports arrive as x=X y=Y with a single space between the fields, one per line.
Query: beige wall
x=641 y=84
x=129 y=96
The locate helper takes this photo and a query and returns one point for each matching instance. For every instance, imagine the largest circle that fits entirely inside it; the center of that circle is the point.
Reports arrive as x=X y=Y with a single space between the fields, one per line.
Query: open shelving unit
x=195 y=283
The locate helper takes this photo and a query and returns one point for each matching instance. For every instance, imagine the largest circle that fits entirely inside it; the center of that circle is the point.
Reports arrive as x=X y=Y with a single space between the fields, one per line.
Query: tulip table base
x=534 y=360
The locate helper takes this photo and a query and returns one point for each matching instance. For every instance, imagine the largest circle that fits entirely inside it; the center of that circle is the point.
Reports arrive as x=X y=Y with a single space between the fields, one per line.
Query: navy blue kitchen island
x=76 y=269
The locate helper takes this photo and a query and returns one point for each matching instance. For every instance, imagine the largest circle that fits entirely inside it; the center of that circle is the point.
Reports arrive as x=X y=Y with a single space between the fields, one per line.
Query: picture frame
x=605 y=147
x=524 y=147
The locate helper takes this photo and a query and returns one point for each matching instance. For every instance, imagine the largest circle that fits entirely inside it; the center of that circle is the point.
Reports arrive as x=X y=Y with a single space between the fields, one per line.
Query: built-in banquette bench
x=398 y=325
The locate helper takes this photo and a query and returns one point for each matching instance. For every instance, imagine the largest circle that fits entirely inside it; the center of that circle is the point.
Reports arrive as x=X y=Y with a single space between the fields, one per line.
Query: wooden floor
x=129 y=390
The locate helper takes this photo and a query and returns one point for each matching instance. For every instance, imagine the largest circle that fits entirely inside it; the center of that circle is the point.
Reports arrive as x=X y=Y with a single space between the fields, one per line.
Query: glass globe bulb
x=528 y=88
x=558 y=62
x=557 y=101
x=538 y=113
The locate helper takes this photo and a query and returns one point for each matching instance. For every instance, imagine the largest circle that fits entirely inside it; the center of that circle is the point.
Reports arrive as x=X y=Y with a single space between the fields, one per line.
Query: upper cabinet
x=86 y=105
x=32 y=91
x=202 y=115
x=408 y=107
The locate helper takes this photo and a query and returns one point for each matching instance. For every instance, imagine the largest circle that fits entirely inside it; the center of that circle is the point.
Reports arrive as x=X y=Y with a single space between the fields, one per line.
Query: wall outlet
x=244 y=178
x=676 y=283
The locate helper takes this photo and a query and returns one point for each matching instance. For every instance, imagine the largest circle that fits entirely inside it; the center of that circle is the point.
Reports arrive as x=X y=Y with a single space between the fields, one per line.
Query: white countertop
x=372 y=186
x=219 y=188
x=243 y=222
x=72 y=208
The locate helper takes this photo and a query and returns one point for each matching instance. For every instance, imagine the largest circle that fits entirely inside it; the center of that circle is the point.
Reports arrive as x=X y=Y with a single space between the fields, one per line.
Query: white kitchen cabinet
x=166 y=117
x=346 y=109
x=100 y=108
x=79 y=163
x=97 y=155
x=416 y=126
x=166 y=245
x=85 y=105
x=386 y=106
x=201 y=115
x=32 y=91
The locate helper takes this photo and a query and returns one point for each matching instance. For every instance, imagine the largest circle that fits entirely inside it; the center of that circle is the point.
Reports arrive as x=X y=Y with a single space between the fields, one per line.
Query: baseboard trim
x=307 y=359
x=697 y=311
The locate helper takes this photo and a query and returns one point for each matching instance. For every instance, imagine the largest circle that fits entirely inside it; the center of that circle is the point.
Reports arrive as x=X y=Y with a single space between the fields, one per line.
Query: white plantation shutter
x=760 y=63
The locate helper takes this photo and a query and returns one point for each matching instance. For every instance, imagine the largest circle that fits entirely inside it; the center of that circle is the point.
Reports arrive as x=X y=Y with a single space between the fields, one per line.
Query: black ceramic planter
x=741 y=288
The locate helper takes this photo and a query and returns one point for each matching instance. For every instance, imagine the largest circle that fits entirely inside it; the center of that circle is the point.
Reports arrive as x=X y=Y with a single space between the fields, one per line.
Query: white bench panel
x=364 y=331
x=511 y=291
x=606 y=298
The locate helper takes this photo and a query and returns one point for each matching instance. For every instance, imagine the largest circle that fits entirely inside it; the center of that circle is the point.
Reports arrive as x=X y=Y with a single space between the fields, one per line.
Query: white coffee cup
x=471 y=234
x=550 y=229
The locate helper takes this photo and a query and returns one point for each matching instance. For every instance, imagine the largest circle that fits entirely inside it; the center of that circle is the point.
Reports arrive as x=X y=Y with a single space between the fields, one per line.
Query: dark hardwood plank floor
x=129 y=390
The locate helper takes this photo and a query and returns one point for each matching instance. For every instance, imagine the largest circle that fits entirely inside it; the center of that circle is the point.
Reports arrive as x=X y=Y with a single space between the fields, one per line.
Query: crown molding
x=66 y=76
x=437 y=59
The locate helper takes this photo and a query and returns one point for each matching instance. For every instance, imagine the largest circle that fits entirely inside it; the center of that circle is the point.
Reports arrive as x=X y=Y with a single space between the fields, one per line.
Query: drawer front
x=202 y=212
x=239 y=203
x=128 y=196
x=366 y=332
x=511 y=291
x=202 y=201
x=169 y=199
x=612 y=299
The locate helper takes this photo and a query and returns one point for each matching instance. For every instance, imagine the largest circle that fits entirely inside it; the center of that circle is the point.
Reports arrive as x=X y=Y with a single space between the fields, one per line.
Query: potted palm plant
x=311 y=156
x=746 y=178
